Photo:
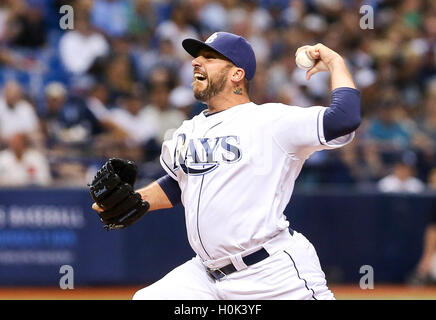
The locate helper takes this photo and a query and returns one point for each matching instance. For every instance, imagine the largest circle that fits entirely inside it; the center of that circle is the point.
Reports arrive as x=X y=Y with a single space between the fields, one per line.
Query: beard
x=214 y=86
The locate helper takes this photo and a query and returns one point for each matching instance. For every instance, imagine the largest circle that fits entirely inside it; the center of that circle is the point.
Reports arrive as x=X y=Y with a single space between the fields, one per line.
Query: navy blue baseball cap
x=233 y=47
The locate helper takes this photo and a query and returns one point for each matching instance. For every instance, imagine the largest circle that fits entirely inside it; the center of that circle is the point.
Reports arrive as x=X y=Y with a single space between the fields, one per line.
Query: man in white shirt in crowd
x=21 y=165
x=401 y=179
x=79 y=48
x=16 y=114
x=131 y=122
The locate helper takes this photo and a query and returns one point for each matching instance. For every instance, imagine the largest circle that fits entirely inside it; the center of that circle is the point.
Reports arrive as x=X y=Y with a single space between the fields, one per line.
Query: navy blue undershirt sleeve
x=343 y=115
x=171 y=189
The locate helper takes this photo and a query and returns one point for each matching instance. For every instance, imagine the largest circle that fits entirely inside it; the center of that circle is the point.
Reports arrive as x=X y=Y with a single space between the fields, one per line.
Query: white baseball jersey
x=236 y=170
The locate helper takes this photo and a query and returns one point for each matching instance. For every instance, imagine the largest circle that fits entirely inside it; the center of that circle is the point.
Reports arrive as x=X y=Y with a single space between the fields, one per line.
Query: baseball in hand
x=303 y=61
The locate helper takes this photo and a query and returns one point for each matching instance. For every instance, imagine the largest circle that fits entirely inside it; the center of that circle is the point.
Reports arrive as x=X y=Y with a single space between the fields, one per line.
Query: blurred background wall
x=43 y=229
x=118 y=82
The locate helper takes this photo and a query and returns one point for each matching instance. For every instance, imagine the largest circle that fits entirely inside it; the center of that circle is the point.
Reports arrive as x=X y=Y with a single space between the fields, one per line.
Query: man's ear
x=238 y=75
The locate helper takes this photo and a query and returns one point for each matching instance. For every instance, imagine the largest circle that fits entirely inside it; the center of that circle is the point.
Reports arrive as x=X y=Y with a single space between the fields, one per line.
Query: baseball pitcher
x=233 y=167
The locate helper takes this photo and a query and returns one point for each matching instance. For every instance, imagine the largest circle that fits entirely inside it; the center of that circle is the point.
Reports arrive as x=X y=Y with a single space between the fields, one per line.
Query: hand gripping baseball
x=117 y=204
x=324 y=58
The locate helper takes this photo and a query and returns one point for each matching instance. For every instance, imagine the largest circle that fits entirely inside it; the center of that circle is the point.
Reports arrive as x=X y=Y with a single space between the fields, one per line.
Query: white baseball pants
x=293 y=272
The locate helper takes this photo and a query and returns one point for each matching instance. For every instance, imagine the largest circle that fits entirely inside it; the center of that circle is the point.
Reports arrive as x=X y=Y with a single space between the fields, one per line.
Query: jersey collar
x=218 y=114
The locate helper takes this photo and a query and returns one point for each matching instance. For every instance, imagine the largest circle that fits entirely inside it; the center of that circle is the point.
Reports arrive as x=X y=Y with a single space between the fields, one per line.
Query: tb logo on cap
x=212 y=38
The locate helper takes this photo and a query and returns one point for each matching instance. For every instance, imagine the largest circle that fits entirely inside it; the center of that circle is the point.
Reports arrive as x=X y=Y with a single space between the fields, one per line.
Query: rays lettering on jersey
x=198 y=156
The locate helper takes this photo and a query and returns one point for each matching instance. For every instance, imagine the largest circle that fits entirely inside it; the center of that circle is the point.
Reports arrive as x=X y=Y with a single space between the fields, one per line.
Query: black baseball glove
x=112 y=190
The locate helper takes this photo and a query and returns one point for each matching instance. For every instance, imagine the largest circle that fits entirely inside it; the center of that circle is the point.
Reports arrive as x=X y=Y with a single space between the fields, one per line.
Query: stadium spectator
x=5 y=12
x=10 y=58
x=141 y=20
x=79 y=48
x=111 y=16
x=362 y=163
x=130 y=122
x=178 y=28
x=162 y=114
x=118 y=76
x=213 y=16
x=182 y=98
x=98 y=102
x=426 y=122
x=16 y=114
x=424 y=138
x=162 y=57
x=67 y=120
x=26 y=25
x=68 y=171
x=387 y=131
x=401 y=179
x=21 y=165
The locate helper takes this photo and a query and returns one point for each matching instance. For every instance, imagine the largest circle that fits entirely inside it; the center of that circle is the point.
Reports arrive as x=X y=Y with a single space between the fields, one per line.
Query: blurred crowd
x=118 y=82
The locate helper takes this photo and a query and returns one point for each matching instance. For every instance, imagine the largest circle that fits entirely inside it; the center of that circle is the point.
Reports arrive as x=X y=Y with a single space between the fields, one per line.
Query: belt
x=249 y=260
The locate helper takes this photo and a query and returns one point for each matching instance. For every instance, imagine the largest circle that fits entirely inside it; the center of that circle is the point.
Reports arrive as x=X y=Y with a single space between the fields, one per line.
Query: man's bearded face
x=207 y=86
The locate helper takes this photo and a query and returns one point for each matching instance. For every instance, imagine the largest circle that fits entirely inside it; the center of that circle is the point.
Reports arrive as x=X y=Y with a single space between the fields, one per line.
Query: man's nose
x=197 y=62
